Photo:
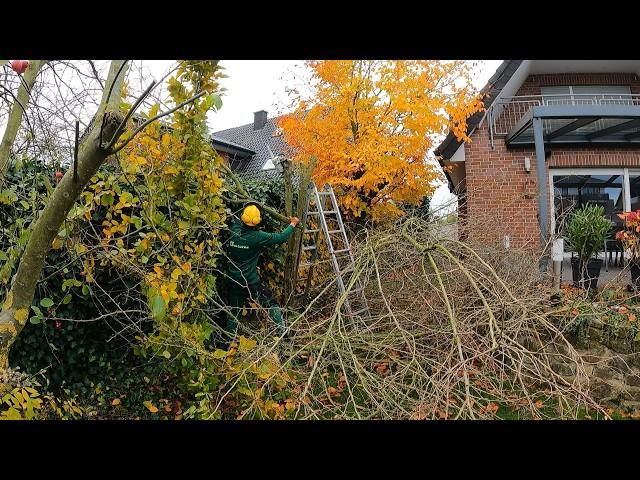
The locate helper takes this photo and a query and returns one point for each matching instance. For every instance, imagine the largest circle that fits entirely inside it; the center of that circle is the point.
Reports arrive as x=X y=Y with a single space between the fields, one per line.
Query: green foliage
x=587 y=230
x=71 y=351
x=124 y=318
x=21 y=399
x=613 y=310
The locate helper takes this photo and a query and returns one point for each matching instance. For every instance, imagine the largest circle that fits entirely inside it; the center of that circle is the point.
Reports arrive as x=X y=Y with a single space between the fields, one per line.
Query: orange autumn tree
x=371 y=125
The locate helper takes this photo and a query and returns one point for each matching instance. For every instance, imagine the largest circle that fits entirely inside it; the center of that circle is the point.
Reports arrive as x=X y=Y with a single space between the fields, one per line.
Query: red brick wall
x=502 y=197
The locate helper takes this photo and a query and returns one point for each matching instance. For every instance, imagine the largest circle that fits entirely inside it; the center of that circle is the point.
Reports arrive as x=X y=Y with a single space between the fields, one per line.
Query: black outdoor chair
x=613 y=246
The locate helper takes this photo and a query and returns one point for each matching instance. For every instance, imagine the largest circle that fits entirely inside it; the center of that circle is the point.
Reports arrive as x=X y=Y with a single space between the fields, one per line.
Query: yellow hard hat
x=251 y=216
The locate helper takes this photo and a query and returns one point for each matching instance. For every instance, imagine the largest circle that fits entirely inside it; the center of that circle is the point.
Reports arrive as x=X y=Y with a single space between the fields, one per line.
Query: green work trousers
x=258 y=293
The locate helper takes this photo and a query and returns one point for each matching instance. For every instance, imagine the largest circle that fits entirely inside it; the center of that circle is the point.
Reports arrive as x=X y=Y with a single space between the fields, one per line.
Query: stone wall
x=611 y=361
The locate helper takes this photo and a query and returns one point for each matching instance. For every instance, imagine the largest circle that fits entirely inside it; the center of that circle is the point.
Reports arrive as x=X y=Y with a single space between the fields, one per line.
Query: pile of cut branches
x=452 y=334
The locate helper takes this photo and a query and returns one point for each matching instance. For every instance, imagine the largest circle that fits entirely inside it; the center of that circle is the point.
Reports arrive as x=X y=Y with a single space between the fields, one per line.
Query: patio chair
x=611 y=245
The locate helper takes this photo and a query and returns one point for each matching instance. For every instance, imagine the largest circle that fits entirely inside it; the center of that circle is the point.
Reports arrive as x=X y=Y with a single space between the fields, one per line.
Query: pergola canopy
x=579 y=124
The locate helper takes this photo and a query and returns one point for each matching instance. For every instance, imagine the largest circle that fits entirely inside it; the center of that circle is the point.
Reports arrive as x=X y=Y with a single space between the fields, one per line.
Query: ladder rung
x=341 y=251
x=313 y=231
x=331 y=211
x=335 y=231
x=324 y=193
x=305 y=264
x=308 y=247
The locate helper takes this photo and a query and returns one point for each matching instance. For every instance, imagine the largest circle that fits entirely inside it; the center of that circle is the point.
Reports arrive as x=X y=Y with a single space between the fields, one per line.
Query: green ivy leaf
x=106 y=199
x=46 y=302
x=217 y=101
x=34 y=320
x=158 y=307
x=66 y=299
x=8 y=196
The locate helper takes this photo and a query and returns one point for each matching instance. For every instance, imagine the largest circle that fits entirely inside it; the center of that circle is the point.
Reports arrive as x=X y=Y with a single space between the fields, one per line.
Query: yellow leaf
x=8 y=301
x=166 y=139
x=116 y=401
x=57 y=243
x=21 y=315
x=165 y=295
x=150 y=406
x=246 y=344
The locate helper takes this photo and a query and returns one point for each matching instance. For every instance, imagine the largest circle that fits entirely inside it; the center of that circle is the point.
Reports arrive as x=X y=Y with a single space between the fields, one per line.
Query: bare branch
x=151 y=120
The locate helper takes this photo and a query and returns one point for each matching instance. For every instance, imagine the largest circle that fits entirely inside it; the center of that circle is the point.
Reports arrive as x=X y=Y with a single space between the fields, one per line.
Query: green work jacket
x=245 y=246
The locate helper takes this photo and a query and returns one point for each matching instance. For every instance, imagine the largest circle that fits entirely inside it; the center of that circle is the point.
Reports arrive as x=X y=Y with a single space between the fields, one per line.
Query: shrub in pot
x=586 y=232
x=629 y=237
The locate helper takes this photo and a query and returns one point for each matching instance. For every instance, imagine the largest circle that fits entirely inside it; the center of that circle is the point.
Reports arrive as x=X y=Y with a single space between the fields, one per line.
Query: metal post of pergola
x=529 y=131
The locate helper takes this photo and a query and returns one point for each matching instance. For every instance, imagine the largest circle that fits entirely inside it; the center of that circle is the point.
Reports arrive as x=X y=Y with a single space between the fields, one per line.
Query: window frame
x=559 y=172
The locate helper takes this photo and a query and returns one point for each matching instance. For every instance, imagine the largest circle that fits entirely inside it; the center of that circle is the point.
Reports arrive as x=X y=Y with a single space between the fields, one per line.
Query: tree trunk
x=292 y=257
x=288 y=187
x=91 y=155
x=15 y=114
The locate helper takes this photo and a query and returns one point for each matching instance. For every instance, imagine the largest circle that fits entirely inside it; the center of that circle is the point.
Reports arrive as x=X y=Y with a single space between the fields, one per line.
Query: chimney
x=259 y=119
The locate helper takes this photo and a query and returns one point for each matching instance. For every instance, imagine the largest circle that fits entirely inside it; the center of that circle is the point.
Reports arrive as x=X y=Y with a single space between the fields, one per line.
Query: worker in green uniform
x=244 y=249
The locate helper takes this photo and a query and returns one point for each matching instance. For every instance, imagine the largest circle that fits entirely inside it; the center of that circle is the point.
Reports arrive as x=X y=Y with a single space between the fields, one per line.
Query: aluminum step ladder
x=329 y=220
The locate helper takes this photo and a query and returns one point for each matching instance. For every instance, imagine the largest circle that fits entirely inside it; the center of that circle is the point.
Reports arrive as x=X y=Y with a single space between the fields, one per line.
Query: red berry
x=59 y=174
x=19 y=66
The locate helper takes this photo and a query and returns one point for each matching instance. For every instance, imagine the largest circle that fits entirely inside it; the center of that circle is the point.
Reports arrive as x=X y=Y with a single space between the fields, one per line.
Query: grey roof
x=259 y=141
x=490 y=92
x=216 y=141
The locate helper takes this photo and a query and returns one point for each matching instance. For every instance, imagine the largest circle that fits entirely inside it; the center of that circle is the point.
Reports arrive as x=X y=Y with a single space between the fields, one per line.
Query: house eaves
x=489 y=93
x=226 y=146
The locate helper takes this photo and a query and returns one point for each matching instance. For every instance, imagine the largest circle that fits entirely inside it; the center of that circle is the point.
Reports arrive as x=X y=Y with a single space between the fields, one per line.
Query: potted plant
x=629 y=237
x=586 y=232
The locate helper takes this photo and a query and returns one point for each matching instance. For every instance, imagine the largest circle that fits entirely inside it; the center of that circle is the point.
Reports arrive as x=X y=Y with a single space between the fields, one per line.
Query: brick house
x=554 y=135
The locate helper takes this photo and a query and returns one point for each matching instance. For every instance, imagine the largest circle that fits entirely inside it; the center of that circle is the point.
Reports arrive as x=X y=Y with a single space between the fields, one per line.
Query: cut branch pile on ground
x=452 y=334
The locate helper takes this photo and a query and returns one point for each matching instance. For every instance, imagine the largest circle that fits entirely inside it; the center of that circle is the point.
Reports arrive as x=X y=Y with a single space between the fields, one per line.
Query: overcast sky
x=253 y=85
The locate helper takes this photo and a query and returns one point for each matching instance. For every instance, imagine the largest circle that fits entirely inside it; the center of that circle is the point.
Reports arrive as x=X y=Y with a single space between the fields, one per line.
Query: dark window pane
x=634 y=190
x=573 y=191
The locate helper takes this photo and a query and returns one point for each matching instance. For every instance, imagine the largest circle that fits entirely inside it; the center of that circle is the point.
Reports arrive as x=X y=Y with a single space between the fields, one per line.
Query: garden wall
x=611 y=361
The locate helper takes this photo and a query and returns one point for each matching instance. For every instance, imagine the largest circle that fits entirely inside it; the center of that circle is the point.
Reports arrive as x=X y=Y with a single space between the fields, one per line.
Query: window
x=634 y=190
x=616 y=189
x=574 y=191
